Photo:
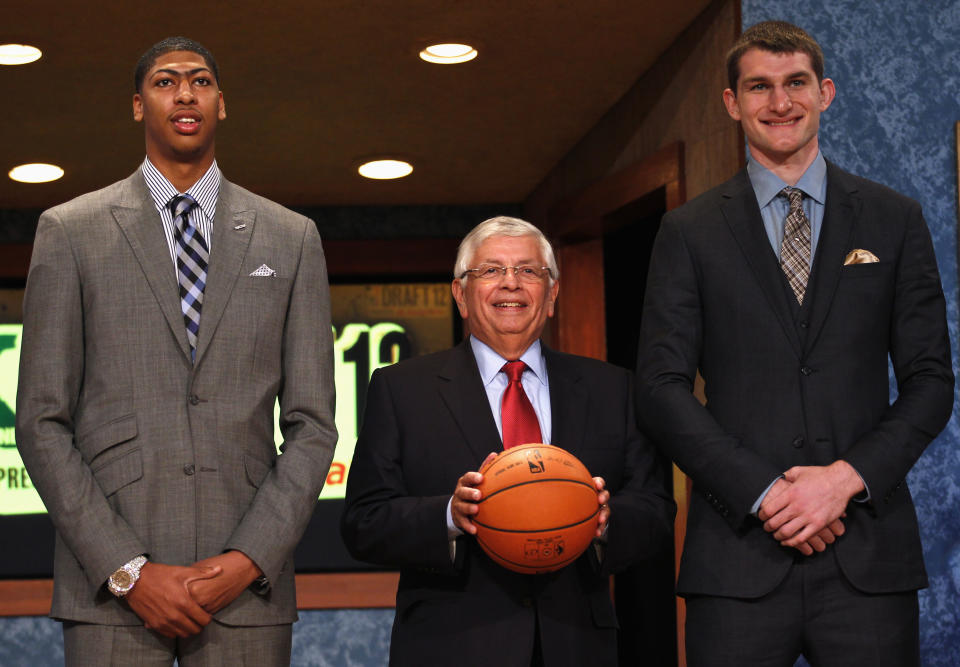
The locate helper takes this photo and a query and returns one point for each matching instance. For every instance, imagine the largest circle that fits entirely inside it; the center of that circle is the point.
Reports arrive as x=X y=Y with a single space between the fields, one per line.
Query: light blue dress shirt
x=534 y=381
x=773 y=209
x=535 y=385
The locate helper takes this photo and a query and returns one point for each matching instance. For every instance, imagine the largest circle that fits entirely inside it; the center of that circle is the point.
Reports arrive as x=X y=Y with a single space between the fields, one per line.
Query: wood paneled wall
x=677 y=103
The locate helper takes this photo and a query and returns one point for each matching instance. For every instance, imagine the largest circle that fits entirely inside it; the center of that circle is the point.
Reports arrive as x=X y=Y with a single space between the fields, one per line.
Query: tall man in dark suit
x=431 y=419
x=163 y=317
x=788 y=287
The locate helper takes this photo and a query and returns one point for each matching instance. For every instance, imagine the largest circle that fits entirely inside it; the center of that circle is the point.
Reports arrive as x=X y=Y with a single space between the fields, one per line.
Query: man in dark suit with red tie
x=430 y=424
x=788 y=288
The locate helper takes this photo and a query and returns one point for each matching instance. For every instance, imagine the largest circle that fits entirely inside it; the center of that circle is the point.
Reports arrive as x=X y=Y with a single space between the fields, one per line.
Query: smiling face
x=778 y=103
x=507 y=314
x=179 y=106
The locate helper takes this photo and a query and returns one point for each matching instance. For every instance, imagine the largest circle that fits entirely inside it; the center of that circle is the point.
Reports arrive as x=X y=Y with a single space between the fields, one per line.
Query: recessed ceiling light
x=36 y=173
x=18 y=54
x=448 y=54
x=385 y=169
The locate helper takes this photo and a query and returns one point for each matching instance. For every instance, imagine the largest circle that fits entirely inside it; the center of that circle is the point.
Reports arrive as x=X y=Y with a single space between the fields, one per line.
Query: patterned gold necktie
x=795 y=249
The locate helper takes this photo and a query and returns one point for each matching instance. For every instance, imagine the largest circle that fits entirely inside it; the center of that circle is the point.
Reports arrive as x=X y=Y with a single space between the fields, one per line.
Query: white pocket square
x=264 y=271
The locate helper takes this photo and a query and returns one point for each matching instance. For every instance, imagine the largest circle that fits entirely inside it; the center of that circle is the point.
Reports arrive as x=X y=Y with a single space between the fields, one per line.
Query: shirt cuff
x=452 y=531
x=864 y=496
x=756 y=505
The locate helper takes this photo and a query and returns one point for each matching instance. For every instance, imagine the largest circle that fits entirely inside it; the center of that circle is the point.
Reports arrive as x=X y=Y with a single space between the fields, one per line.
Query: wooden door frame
x=576 y=226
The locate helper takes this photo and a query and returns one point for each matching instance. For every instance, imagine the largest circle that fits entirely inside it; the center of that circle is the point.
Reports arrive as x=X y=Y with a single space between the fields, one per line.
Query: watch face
x=122 y=580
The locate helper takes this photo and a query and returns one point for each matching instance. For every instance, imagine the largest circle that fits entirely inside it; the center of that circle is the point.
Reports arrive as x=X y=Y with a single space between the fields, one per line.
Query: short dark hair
x=776 y=37
x=167 y=45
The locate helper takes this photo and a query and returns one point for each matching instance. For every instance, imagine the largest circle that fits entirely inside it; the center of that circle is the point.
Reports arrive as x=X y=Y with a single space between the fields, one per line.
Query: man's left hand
x=603 y=497
x=817 y=497
x=216 y=593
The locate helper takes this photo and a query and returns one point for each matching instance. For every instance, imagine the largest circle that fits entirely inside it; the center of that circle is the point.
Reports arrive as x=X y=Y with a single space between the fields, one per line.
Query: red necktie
x=520 y=425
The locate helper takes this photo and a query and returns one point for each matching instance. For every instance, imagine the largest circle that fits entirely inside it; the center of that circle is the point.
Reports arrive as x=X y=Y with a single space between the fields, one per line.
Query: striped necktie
x=795 y=249
x=192 y=259
x=519 y=420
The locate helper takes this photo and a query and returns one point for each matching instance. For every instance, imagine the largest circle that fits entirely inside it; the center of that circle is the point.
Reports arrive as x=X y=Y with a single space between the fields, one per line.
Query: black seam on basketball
x=537 y=530
x=536 y=481
x=552 y=566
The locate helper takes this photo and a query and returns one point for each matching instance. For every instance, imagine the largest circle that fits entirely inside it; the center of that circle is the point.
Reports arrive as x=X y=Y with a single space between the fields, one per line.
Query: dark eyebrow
x=174 y=72
x=801 y=74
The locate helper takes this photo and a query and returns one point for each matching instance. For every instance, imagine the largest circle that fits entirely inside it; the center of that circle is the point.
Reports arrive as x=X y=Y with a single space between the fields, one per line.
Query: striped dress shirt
x=206 y=191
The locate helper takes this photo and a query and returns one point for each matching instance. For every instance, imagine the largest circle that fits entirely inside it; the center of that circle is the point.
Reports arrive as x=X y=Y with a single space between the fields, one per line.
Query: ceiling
x=313 y=86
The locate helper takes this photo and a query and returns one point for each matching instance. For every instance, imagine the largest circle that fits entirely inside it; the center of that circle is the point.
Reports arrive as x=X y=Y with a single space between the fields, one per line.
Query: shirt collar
x=205 y=191
x=490 y=363
x=768 y=185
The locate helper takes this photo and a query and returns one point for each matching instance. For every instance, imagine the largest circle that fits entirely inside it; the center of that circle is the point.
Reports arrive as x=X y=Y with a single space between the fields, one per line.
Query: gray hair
x=502 y=225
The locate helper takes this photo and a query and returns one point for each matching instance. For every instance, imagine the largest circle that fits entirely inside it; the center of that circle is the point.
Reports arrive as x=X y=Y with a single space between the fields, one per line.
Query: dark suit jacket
x=788 y=386
x=136 y=450
x=428 y=422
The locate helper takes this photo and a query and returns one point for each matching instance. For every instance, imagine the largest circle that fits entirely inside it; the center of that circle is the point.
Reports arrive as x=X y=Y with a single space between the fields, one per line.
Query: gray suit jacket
x=133 y=449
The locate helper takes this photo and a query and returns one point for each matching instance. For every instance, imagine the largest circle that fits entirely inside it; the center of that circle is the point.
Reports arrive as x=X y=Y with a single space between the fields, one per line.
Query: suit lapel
x=461 y=389
x=742 y=214
x=569 y=403
x=227 y=252
x=139 y=221
x=839 y=218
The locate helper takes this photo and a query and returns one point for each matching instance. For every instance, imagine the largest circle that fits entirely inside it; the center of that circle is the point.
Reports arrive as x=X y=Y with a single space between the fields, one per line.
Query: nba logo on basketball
x=535 y=461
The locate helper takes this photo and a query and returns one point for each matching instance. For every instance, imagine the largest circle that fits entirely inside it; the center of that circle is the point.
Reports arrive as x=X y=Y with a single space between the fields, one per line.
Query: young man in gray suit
x=163 y=317
x=789 y=287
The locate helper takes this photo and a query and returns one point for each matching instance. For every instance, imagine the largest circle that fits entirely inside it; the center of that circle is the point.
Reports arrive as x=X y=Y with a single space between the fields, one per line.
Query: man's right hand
x=827 y=535
x=465 y=497
x=162 y=600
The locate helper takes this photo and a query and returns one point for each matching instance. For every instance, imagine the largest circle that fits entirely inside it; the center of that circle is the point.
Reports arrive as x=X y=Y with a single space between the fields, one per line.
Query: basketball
x=538 y=509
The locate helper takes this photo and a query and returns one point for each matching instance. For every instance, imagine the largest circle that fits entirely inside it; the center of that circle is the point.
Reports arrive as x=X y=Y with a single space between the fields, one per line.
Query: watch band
x=123 y=580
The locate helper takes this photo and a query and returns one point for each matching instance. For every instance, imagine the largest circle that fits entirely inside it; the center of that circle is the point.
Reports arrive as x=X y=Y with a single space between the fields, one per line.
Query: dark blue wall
x=895 y=65
x=357 y=637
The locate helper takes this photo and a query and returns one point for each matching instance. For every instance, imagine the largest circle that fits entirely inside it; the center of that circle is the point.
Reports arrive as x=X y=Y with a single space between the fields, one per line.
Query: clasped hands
x=803 y=510
x=466 y=495
x=178 y=601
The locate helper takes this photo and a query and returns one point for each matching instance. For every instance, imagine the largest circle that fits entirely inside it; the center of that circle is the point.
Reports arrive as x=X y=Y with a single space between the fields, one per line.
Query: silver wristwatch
x=122 y=581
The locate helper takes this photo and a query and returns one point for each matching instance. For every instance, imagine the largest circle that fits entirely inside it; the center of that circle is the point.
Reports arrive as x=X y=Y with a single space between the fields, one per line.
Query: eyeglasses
x=525 y=273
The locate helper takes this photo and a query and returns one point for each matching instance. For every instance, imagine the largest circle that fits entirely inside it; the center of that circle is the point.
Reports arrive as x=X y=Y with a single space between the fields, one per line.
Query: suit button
x=798 y=441
x=194 y=399
x=527 y=602
x=806 y=370
x=188 y=469
x=804 y=324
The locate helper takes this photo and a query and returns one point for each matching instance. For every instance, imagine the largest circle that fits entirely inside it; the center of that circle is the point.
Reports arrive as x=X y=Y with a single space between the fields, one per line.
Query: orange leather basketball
x=538 y=509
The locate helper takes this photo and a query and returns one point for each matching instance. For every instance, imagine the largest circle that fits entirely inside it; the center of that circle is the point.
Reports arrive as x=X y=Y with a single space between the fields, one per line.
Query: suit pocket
x=120 y=471
x=94 y=442
x=605 y=441
x=256 y=470
x=265 y=284
x=865 y=270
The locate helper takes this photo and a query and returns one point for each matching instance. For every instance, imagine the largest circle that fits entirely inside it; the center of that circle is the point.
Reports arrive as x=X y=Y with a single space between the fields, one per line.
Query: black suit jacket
x=793 y=386
x=428 y=422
